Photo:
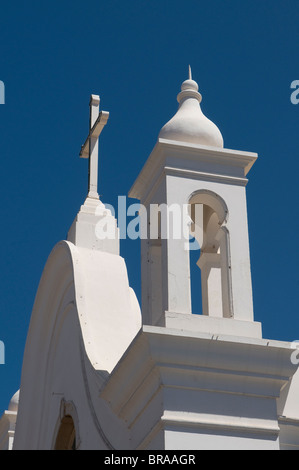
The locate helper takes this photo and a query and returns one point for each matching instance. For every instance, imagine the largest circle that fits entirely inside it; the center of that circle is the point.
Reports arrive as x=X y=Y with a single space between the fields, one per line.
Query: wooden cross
x=90 y=148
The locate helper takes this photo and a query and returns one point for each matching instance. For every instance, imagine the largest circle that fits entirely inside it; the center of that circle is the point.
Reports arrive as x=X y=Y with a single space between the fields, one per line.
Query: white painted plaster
x=173 y=380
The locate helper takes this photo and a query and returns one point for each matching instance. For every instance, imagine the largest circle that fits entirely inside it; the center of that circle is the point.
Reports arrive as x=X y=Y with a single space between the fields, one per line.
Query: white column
x=210 y=266
x=178 y=257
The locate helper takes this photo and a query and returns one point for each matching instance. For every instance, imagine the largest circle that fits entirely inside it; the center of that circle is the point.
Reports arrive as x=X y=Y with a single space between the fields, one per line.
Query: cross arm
x=95 y=131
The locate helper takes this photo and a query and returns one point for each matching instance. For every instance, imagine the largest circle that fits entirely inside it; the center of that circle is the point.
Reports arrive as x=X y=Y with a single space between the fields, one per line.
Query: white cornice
x=195 y=161
x=161 y=359
x=170 y=348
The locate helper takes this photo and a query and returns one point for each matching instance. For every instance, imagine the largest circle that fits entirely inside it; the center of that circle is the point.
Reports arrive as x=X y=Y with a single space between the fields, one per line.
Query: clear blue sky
x=135 y=54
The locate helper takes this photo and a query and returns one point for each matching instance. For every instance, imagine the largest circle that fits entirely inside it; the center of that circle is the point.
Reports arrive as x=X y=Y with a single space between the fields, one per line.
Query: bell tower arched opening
x=209 y=213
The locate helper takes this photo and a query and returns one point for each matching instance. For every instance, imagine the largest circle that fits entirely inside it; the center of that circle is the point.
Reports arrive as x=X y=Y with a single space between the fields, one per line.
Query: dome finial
x=190 y=73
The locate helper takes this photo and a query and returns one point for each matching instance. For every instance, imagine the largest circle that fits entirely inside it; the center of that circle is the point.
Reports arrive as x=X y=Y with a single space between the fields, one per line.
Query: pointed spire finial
x=189 y=88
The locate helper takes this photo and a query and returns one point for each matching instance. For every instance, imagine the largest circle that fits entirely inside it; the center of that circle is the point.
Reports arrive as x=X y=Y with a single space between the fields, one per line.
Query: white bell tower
x=191 y=186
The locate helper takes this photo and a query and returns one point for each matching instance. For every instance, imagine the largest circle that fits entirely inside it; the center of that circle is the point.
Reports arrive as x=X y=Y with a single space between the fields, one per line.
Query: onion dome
x=189 y=124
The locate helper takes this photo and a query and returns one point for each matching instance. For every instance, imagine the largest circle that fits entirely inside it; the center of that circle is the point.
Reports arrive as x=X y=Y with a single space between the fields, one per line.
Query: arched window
x=195 y=277
x=209 y=213
x=66 y=436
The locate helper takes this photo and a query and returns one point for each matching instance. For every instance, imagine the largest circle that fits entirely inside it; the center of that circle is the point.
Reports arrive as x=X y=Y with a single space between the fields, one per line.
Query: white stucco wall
x=85 y=315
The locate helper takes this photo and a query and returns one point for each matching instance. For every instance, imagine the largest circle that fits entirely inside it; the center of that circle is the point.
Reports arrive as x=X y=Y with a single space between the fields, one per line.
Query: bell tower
x=192 y=192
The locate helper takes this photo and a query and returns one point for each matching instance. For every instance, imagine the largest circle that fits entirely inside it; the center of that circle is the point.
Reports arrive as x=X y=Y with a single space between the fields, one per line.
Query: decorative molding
x=166 y=373
x=173 y=155
x=205 y=176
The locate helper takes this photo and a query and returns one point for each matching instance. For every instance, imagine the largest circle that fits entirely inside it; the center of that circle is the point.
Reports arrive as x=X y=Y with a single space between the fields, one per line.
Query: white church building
x=101 y=371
